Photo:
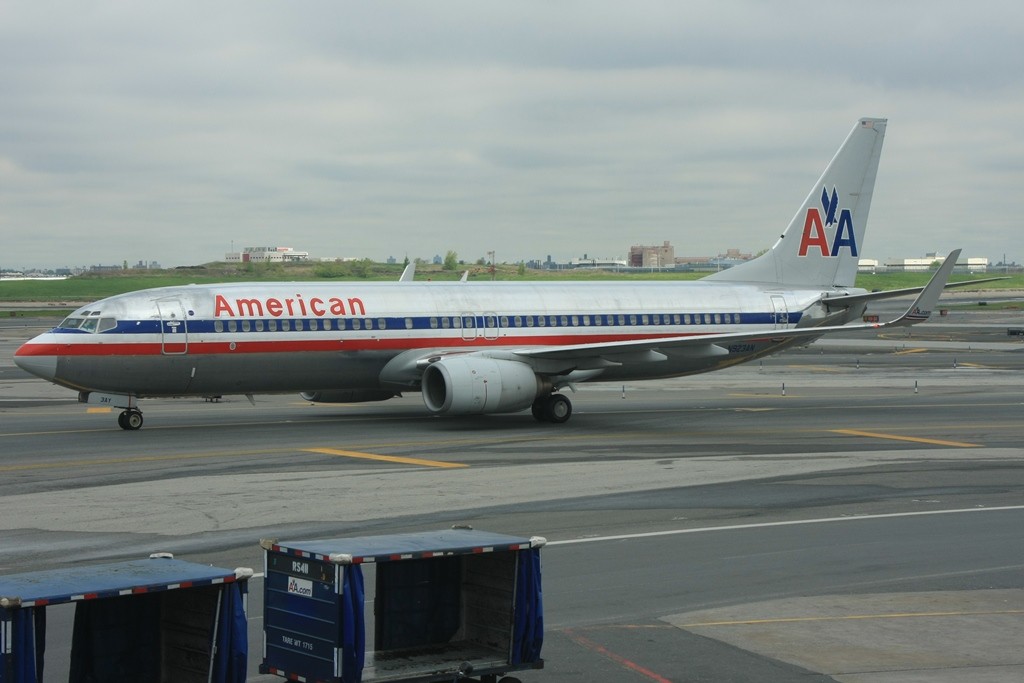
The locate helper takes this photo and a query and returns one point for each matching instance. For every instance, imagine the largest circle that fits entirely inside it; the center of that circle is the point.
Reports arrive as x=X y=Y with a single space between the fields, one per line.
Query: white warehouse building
x=266 y=255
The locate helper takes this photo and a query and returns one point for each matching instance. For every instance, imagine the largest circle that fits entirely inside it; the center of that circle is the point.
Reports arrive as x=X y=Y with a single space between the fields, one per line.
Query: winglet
x=409 y=273
x=925 y=302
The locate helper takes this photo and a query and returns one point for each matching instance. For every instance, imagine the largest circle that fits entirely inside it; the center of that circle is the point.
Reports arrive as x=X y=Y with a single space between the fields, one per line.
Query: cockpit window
x=88 y=321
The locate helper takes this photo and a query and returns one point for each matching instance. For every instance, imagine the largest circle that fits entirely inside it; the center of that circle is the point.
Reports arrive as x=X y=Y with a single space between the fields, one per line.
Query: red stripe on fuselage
x=147 y=348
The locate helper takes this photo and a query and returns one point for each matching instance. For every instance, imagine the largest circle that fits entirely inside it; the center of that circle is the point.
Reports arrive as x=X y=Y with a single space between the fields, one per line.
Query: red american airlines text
x=291 y=307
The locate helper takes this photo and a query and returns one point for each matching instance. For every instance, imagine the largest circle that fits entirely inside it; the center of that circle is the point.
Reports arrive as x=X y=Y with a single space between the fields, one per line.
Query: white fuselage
x=282 y=337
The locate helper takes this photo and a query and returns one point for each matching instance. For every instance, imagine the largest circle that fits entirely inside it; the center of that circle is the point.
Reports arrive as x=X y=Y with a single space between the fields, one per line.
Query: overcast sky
x=170 y=131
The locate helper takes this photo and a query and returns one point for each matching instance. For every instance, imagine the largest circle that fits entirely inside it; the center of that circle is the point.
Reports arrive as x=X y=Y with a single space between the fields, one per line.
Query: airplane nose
x=41 y=365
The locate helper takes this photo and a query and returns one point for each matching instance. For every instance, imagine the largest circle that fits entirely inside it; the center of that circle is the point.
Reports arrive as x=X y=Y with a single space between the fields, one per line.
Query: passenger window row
x=472 y=322
x=93 y=323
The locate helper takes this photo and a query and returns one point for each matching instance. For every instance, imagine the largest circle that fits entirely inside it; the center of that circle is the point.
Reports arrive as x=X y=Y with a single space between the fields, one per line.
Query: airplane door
x=468 y=326
x=781 y=312
x=490 y=325
x=173 y=327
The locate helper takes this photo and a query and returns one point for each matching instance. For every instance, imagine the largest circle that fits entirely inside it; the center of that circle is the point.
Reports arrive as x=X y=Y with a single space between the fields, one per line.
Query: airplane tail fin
x=821 y=246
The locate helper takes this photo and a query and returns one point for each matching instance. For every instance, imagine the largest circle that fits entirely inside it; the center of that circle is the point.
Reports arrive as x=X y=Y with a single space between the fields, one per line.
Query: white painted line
x=763 y=525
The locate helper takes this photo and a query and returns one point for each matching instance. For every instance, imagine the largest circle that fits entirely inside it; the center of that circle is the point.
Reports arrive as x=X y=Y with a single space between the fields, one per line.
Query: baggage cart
x=158 y=619
x=457 y=604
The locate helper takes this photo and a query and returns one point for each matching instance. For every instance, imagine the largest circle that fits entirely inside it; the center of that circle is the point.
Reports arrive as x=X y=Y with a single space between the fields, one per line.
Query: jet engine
x=347 y=395
x=473 y=385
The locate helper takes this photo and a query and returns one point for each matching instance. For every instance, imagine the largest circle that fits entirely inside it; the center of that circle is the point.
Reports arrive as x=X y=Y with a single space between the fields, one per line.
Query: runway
x=823 y=515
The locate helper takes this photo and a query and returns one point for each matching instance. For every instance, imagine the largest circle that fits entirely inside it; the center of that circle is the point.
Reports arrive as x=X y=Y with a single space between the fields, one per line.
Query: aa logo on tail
x=814 y=235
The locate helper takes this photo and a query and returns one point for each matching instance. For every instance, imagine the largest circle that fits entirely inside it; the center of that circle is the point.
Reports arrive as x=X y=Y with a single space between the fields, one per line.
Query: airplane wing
x=406 y=369
x=706 y=344
x=845 y=301
x=409 y=274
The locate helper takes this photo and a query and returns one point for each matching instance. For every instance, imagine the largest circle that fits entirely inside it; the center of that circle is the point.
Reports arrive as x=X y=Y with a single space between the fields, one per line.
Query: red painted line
x=618 y=659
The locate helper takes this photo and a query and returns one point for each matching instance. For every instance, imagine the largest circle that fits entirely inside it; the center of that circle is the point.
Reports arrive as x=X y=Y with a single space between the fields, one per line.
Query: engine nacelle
x=347 y=395
x=471 y=385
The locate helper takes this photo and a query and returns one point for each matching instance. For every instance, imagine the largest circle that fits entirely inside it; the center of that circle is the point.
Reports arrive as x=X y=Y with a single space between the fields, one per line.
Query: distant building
x=266 y=255
x=972 y=264
x=731 y=257
x=867 y=265
x=587 y=262
x=643 y=256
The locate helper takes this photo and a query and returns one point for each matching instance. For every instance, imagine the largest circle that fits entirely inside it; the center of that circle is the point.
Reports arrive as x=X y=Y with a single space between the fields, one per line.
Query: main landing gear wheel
x=130 y=420
x=555 y=408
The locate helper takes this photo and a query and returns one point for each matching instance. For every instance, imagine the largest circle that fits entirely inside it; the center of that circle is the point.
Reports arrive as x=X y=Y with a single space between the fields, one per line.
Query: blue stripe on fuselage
x=596 y=321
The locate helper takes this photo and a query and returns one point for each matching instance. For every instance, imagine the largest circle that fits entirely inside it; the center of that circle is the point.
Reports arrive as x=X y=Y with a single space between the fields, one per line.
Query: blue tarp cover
x=55 y=586
x=384 y=548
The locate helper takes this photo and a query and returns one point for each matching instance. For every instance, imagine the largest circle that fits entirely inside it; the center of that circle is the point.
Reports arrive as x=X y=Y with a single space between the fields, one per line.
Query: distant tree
x=330 y=269
x=451 y=260
x=521 y=271
x=361 y=268
x=405 y=262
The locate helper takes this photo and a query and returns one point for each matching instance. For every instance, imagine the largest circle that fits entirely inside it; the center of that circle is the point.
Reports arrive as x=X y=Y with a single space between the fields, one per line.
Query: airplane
x=488 y=347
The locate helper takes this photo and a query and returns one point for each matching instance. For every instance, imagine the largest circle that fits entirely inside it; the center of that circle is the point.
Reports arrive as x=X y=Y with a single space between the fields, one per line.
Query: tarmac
x=931 y=637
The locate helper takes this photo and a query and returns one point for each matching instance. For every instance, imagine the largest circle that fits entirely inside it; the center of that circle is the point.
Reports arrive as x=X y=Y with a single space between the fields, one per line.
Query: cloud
x=166 y=132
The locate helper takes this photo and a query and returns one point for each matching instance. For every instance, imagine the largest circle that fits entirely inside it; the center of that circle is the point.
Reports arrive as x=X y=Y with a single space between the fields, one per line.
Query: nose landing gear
x=130 y=419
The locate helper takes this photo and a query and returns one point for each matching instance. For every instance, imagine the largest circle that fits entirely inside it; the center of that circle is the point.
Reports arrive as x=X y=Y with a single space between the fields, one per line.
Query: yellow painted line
x=777 y=394
x=906 y=351
x=98 y=410
x=71 y=464
x=385 y=458
x=915 y=439
x=850 y=617
x=815 y=368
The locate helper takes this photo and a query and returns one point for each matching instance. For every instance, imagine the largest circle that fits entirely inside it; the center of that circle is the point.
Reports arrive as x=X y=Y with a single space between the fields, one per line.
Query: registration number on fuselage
x=740 y=348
